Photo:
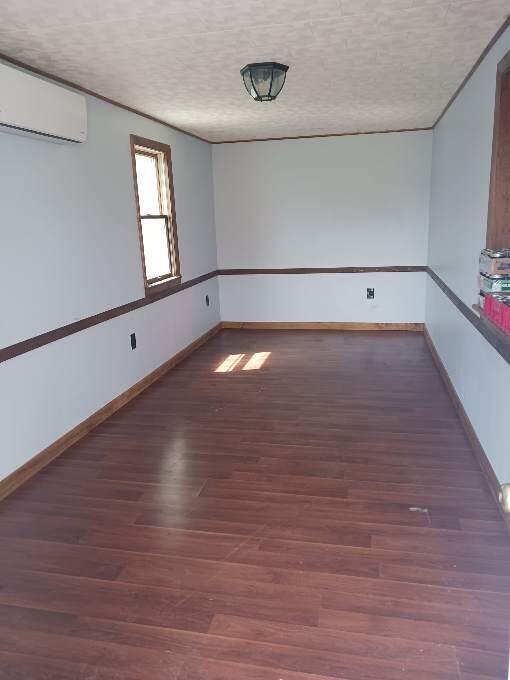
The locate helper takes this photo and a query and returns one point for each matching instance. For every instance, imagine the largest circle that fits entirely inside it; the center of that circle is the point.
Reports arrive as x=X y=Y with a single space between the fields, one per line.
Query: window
x=498 y=228
x=152 y=169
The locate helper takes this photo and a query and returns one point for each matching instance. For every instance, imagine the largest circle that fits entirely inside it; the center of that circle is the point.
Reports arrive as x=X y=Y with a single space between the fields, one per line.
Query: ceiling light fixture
x=264 y=81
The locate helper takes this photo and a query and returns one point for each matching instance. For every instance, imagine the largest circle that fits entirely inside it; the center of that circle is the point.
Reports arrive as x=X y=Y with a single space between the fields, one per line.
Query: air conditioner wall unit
x=31 y=105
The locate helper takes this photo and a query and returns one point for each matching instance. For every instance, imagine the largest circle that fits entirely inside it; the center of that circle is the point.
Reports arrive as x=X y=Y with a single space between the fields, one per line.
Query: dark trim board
x=495 y=337
x=75 y=86
x=478 y=450
x=498 y=222
x=477 y=63
x=489 y=46
x=321 y=270
x=30 y=344
x=322 y=326
x=165 y=290
x=332 y=134
x=79 y=88
x=40 y=460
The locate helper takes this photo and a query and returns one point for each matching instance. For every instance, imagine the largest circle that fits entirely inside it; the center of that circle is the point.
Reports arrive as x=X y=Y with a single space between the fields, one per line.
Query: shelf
x=499 y=331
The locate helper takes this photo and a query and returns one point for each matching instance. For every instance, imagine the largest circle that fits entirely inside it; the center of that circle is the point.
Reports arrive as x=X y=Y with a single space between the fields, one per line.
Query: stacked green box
x=494 y=283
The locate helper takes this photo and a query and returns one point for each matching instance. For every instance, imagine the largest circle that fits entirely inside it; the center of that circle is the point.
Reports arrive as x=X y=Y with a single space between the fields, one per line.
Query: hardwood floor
x=320 y=516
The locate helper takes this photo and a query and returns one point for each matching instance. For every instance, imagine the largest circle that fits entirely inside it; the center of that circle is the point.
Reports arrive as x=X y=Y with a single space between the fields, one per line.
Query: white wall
x=400 y=297
x=332 y=202
x=70 y=250
x=48 y=391
x=460 y=190
x=69 y=233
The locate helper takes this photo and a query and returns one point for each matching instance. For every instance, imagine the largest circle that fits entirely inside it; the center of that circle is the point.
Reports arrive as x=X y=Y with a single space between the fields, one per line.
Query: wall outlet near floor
x=133 y=340
x=370 y=293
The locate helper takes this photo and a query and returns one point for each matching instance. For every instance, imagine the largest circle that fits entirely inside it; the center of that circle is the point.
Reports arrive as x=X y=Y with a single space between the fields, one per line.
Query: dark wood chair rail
x=496 y=338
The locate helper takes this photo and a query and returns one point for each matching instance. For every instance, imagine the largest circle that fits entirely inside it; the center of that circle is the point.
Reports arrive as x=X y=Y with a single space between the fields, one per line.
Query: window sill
x=159 y=286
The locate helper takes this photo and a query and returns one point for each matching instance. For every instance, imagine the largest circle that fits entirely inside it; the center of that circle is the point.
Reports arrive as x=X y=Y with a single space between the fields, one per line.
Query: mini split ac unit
x=30 y=105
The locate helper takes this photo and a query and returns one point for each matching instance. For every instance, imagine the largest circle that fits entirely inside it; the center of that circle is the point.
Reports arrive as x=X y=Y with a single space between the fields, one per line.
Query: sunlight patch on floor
x=233 y=361
x=229 y=363
x=256 y=361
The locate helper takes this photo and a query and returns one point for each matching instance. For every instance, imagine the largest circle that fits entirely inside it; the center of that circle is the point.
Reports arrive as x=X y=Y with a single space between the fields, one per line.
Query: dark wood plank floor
x=320 y=516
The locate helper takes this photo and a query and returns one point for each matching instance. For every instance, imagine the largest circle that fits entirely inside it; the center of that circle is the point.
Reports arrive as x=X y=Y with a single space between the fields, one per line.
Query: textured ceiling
x=355 y=65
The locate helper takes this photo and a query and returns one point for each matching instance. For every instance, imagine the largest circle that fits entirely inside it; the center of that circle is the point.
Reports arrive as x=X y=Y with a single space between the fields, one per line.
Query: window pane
x=155 y=248
x=148 y=186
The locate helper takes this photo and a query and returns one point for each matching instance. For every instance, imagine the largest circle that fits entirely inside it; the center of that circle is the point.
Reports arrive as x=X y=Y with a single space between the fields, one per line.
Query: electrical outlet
x=370 y=293
x=207 y=301
x=133 y=340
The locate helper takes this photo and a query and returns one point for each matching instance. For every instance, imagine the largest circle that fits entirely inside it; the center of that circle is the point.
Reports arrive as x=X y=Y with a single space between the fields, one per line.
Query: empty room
x=254 y=340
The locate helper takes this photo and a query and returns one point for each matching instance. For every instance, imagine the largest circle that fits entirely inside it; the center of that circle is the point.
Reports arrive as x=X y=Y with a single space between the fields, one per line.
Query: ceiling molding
x=332 y=134
x=493 y=41
x=68 y=83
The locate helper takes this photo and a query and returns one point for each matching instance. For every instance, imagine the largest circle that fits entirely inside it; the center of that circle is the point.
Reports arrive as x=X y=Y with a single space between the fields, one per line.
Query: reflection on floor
x=321 y=516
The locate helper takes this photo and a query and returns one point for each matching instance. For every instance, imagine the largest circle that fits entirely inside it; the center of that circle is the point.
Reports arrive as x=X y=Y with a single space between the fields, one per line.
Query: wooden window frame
x=498 y=219
x=163 y=154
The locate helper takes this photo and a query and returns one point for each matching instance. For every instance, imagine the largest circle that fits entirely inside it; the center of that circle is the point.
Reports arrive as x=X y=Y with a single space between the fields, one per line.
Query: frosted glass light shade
x=264 y=81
